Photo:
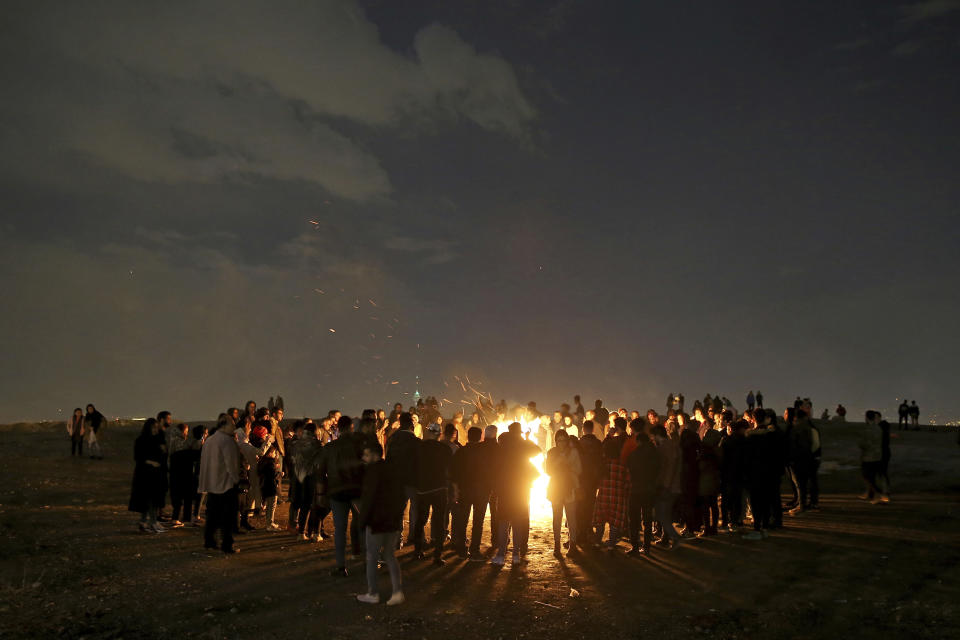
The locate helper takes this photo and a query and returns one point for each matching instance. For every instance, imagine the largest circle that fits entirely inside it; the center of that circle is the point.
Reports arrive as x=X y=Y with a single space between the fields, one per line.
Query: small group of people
x=908 y=415
x=84 y=427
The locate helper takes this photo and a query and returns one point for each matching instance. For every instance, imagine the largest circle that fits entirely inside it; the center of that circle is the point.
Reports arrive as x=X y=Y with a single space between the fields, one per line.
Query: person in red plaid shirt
x=614 y=494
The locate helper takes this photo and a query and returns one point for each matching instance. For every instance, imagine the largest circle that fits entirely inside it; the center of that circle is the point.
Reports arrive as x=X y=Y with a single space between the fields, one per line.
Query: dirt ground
x=72 y=565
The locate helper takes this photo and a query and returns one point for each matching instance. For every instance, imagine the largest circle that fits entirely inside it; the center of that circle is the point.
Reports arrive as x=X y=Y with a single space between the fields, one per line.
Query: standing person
x=591 y=468
x=600 y=413
x=219 y=477
x=903 y=415
x=668 y=483
x=491 y=451
x=732 y=476
x=759 y=398
x=709 y=481
x=381 y=519
x=278 y=403
x=914 y=414
x=579 y=413
x=751 y=400
x=165 y=434
x=614 y=490
x=76 y=432
x=182 y=488
x=762 y=461
x=563 y=467
x=304 y=459
x=433 y=474
x=800 y=448
x=92 y=422
x=403 y=451
x=514 y=475
x=341 y=473
x=670 y=400
x=268 y=471
x=871 y=458
x=690 y=474
x=469 y=473
x=643 y=464
x=147 y=488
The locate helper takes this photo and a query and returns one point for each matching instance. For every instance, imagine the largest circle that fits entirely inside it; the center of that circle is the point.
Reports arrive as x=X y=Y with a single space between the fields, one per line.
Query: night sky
x=210 y=202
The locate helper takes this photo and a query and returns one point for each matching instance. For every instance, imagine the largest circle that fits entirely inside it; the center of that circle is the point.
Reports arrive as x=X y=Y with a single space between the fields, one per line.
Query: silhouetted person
x=600 y=414
x=270 y=404
x=733 y=475
x=578 y=412
x=591 y=468
x=871 y=458
x=759 y=398
x=751 y=401
x=614 y=492
x=470 y=475
x=403 y=450
x=278 y=403
x=92 y=423
x=76 y=432
x=433 y=474
x=147 y=489
x=903 y=415
x=514 y=476
x=690 y=476
x=643 y=464
x=914 y=414
x=563 y=466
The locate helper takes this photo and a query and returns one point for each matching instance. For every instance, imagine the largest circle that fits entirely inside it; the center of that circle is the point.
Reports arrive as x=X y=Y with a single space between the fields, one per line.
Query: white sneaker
x=158 y=528
x=396 y=598
x=498 y=560
x=273 y=526
x=370 y=598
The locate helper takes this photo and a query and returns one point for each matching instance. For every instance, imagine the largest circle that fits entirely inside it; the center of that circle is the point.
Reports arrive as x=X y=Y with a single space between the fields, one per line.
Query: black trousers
x=222 y=515
x=76 y=447
x=710 y=511
x=760 y=503
x=641 y=514
x=435 y=501
x=731 y=505
x=461 y=513
x=302 y=497
x=585 y=506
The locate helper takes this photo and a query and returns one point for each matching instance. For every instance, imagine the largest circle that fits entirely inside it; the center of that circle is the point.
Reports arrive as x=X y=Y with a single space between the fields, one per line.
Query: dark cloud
x=610 y=198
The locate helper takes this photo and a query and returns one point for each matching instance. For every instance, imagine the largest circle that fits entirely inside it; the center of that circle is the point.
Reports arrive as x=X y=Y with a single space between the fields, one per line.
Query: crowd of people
x=654 y=479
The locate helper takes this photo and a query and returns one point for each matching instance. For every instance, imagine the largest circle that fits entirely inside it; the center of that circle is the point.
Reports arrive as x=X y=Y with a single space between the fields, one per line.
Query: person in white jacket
x=219 y=476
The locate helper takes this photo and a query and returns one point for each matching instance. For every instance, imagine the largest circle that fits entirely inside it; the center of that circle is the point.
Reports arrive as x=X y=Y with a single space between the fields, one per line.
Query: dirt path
x=73 y=566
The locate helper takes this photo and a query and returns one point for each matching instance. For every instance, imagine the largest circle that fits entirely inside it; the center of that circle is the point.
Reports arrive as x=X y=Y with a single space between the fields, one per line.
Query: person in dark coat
x=403 y=451
x=709 y=481
x=613 y=494
x=591 y=468
x=381 y=519
x=470 y=475
x=733 y=475
x=434 y=470
x=689 y=475
x=514 y=475
x=146 y=493
x=341 y=478
x=643 y=464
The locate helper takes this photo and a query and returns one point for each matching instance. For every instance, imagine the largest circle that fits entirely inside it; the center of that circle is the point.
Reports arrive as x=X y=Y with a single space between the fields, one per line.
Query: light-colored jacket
x=219 y=464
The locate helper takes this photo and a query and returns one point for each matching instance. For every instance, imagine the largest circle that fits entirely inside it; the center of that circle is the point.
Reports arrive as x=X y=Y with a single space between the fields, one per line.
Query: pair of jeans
x=341 y=512
x=271 y=506
x=478 y=505
x=315 y=521
x=76 y=447
x=222 y=515
x=572 y=522
x=641 y=514
x=435 y=501
x=382 y=546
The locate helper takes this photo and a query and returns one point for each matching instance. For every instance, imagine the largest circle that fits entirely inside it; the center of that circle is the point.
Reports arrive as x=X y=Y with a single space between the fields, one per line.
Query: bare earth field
x=72 y=565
